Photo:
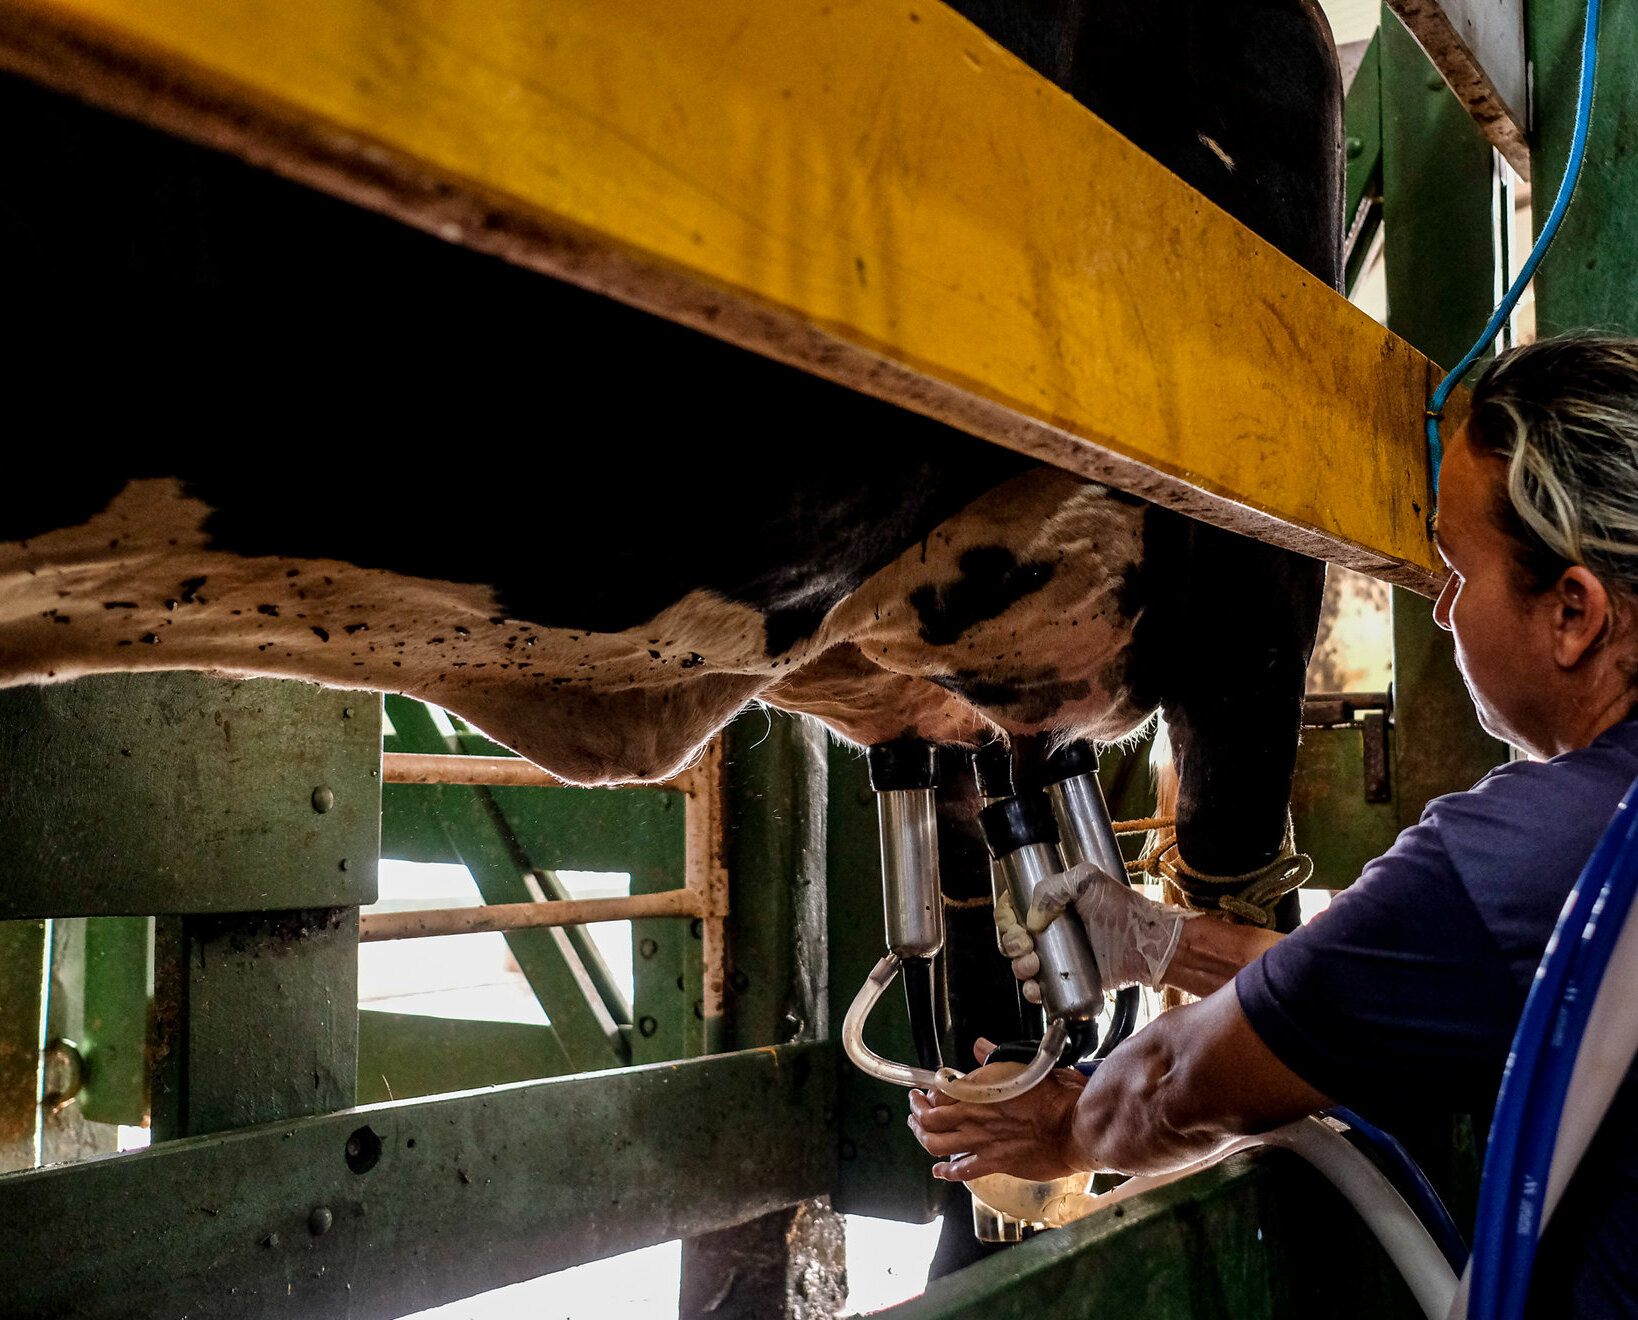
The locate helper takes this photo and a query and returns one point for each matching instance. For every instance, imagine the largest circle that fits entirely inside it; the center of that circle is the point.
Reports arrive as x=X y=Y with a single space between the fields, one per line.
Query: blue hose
x=1561 y=204
x=1537 y=1078
x=1412 y=1184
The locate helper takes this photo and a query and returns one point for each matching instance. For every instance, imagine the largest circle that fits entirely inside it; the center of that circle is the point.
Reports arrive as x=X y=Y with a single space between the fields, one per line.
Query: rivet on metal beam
x=318 y=1223
x=323 y=798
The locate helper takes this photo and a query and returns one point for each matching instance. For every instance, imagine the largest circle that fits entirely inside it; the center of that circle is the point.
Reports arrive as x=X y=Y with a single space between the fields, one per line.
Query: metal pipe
x=912 y=904
x=373 y=926
x=1085 y=832
x=1071 y=987
x=491 y=771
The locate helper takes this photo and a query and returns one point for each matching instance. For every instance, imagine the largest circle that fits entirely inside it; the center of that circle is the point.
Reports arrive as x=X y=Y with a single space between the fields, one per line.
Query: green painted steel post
x=1437 y=200
x=1438 y=186
x=789 y=1264
x=479 y=836
x=118 y=1001
x=1589 y=280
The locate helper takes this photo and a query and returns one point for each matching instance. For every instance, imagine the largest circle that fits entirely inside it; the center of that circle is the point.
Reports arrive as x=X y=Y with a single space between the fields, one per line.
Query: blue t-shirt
x=1404 y=995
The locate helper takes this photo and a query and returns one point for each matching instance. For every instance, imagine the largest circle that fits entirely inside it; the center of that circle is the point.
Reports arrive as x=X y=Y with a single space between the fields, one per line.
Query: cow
x=370 y=460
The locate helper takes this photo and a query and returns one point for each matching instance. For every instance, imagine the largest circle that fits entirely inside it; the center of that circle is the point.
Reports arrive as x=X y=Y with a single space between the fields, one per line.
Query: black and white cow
x=256 y=432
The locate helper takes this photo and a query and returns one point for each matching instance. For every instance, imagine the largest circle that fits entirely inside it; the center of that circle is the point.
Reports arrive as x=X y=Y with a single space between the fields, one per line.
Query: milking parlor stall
x=553 y=555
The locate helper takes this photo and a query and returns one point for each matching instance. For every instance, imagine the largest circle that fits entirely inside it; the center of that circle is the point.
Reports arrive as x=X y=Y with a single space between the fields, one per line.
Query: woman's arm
x=1210 y=952
x=1176 y=1091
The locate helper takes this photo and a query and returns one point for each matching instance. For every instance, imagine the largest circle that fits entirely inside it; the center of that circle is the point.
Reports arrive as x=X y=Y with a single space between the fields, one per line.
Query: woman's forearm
x=1210 y=952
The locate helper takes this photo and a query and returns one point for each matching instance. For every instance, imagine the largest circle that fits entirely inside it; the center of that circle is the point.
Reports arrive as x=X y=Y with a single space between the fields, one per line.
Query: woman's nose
x=1447 y=597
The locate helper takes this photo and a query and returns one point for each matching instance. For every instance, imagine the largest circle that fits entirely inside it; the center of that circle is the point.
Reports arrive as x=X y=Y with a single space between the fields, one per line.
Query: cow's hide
x=257 y=431
x=1015 y=614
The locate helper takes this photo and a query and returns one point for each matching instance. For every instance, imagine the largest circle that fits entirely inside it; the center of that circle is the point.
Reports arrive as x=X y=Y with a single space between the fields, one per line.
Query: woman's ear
x=1581 y=615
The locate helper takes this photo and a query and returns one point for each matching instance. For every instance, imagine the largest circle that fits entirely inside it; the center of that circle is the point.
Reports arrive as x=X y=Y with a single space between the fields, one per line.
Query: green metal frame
x=1260 y=1237
x=379 y=1211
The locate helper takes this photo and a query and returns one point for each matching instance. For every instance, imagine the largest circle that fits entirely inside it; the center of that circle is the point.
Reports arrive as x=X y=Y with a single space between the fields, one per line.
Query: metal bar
x=402 y=1056
x=375 y=926
x=111 y=776
x=492 y=771
x=1590 y=276
x=256 y=1018
x=651 y=126
x=478 y=832
x=1479 y=52
x=380 y=1211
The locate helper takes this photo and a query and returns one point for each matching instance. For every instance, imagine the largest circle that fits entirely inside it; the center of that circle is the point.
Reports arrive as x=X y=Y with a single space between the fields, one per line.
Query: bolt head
x=324 y=798
x=319 y=1221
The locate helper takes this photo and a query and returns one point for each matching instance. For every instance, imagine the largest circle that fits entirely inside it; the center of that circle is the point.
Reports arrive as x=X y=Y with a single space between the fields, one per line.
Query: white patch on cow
x=1216 y=149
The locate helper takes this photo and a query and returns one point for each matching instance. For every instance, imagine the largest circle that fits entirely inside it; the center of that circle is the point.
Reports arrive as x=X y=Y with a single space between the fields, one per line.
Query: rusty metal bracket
x=1373 y=713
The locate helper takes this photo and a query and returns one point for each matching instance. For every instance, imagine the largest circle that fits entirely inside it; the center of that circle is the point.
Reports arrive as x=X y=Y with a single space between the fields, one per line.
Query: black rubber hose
x=1122 y=1020
x=919 y=998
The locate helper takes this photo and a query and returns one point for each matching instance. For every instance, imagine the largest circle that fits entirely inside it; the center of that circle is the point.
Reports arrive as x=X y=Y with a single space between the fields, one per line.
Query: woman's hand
x=1029 y=1137
x=1133 y=938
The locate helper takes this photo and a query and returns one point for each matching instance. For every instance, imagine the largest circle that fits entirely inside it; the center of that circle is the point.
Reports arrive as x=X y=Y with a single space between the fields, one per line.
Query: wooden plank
x=875 y=192
x=1478 y=48
x=422 y=1201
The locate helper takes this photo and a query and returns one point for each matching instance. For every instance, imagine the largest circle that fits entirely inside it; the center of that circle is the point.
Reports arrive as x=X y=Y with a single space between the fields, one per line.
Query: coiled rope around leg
x=1250 y=897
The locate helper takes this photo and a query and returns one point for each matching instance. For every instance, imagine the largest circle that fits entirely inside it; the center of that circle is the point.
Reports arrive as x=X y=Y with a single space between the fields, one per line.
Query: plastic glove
x=1133 y=938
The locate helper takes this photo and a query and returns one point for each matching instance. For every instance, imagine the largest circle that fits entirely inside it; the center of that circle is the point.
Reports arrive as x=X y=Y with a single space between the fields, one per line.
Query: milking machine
x=1031 y=835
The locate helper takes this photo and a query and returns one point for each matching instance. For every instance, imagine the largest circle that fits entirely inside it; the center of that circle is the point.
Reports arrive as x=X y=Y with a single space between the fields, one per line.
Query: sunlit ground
x=886 y=1264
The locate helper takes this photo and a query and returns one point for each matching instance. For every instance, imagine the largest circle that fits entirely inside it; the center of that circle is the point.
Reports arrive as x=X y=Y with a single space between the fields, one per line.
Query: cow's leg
x=1224 y=647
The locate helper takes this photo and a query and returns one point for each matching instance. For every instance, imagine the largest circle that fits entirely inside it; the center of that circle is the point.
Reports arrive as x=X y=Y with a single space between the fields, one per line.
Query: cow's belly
x=1012 y=615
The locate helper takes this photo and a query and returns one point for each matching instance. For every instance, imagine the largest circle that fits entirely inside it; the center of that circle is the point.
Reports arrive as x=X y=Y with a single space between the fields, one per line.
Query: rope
x=1120 y=826
x=1561 y=204
x=1250 y=897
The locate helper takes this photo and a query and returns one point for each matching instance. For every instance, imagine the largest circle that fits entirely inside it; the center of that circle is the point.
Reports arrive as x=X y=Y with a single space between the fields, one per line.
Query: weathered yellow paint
x=870 y=188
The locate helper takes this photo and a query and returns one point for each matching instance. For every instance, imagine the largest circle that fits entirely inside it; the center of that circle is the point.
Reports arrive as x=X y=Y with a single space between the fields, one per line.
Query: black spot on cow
x=321 y=634
x=992 y=580
x=119 y=604
x=356 y=627
x=653 y=655
x=272 y=611
x=694 y=661
x=190 y=591
x=1031 y=696
x=150 y=639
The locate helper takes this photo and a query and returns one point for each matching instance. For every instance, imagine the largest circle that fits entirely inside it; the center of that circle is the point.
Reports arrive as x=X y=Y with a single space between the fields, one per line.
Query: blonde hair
x=1563 y=415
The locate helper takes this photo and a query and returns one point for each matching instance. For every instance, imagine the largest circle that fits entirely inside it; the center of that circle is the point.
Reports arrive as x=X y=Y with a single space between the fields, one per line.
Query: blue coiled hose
x=1561 y=204
x=1537 y=1078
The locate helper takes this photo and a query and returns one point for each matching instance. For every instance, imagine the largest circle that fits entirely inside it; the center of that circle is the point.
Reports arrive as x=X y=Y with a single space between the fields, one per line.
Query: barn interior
x=515 y=277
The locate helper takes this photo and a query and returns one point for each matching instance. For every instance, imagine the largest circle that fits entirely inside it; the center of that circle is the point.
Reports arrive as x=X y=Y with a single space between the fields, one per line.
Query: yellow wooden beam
x=870 y=189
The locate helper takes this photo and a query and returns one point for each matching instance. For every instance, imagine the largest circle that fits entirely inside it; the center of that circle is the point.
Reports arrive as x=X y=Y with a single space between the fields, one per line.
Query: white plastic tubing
x=947 y=1080
x=1413 y=1252
x=1608 y=1048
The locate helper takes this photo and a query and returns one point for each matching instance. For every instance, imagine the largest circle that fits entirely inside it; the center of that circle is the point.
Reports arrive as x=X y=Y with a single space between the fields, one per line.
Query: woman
x=1404 y=996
